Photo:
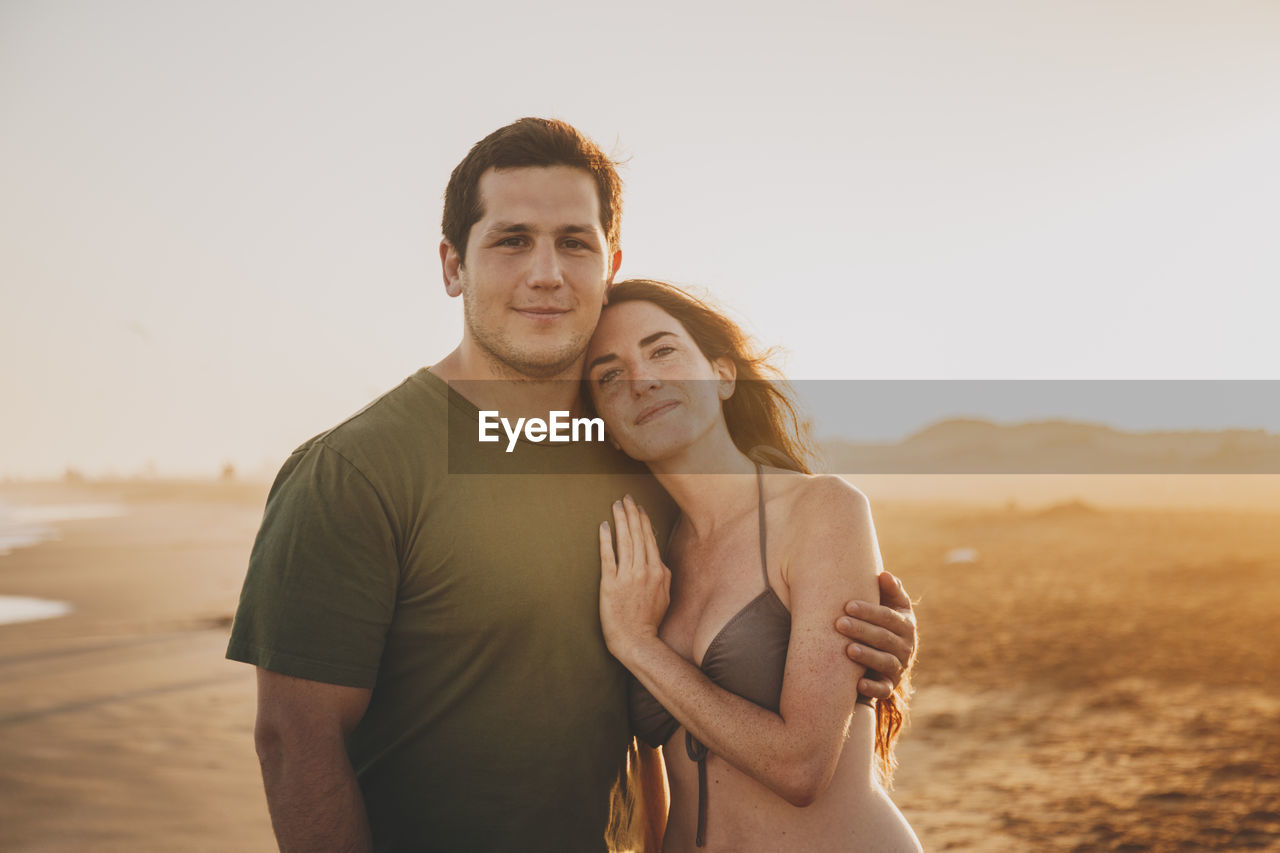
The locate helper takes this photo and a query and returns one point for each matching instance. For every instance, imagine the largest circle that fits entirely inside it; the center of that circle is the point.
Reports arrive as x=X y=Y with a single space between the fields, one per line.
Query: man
x=422 y=611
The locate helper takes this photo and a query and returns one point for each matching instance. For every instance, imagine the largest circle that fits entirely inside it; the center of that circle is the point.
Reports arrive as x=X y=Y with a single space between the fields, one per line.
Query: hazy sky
x=218 y=220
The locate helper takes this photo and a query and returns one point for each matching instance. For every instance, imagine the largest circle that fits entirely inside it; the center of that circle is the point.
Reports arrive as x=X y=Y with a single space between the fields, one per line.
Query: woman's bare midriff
x=853 y=813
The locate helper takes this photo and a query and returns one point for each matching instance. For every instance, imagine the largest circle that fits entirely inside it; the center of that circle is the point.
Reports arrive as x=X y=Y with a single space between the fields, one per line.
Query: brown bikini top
x=747 y=657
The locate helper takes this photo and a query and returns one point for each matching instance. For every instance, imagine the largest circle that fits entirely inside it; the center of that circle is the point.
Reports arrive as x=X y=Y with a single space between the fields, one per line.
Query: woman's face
x=657 y=392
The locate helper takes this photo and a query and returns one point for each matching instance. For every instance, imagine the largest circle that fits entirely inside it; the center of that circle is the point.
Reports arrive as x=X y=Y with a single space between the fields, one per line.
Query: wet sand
x=121 y=726
x=1092 y=680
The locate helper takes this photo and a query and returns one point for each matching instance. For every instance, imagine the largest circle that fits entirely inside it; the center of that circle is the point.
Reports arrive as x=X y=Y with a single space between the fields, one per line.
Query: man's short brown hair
x=529 y=142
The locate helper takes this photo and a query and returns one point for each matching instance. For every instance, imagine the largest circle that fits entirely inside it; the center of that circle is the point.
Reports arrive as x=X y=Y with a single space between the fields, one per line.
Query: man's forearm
x=314 y=799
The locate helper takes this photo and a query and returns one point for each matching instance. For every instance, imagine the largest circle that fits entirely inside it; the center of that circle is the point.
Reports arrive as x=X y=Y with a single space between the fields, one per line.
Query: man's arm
x=300 y=735
x=884 y=635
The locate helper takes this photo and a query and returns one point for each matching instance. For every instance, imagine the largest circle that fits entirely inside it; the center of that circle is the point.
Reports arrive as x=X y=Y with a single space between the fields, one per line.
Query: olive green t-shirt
x=468 y=602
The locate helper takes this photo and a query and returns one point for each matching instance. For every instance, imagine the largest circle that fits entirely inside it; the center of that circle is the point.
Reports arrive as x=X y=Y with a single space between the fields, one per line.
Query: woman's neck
x=712 y=481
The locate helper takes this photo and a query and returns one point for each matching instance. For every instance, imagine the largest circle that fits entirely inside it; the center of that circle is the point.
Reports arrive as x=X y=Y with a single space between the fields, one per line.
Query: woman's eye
x=663 y=350
x=607 y=376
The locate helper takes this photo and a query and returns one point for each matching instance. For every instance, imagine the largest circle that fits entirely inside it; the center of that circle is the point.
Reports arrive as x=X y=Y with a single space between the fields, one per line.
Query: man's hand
x=885 y=635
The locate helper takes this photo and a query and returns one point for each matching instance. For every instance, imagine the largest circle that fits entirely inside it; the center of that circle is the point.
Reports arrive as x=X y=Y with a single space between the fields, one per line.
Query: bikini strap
x=764 y=566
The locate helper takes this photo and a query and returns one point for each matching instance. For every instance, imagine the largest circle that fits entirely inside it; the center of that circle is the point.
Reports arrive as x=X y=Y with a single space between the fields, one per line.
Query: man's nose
x=546 y=271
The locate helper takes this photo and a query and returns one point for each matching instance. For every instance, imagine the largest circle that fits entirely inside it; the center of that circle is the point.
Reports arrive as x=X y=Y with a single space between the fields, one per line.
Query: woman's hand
x=635 y=587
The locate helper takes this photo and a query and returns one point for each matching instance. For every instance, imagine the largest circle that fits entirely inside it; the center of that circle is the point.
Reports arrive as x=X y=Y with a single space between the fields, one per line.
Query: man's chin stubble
x=523 y=365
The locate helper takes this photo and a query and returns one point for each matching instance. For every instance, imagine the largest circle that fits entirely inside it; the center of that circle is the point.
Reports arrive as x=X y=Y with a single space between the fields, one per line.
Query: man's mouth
x=656 y=411
x=540 y=312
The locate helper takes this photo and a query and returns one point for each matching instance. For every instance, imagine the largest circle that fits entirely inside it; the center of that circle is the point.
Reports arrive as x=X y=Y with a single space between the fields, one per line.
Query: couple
x=432 y=673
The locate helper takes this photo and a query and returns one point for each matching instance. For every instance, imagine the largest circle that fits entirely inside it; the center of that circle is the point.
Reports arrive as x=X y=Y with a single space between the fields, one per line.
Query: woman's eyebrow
x=644 y=342
x=601 y=360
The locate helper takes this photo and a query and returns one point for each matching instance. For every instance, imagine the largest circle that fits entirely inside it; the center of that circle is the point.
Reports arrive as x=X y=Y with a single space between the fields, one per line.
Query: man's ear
x=614 y=263
x=451 y=268
x=728 y=373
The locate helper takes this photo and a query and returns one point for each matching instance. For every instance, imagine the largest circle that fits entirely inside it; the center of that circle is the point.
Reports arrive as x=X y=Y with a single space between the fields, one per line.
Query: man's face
x=537 y=270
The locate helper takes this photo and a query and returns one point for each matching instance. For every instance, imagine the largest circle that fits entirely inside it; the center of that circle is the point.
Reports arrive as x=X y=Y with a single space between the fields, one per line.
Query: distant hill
x=969 y=446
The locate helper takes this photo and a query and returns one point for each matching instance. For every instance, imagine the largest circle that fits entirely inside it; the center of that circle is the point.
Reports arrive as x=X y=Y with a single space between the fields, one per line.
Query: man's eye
x=663 y=350
x=511 y=241
x=575 y=244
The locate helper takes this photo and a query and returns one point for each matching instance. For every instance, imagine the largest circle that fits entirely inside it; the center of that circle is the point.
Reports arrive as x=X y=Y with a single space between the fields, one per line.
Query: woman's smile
x=656 y=411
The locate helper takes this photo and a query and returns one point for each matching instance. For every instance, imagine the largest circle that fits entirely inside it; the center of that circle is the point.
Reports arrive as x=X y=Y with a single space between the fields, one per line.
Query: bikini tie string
x=698 y=752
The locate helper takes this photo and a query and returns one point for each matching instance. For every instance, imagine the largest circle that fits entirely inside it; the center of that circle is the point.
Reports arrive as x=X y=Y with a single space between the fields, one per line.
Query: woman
x=738 y=671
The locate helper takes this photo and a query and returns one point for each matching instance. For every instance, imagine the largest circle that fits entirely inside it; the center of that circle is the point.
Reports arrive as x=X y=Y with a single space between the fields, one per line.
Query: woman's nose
x=644 y=382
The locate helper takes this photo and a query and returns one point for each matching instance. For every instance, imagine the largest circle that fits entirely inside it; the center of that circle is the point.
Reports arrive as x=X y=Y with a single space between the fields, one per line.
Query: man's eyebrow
x=525 y=228
x=644 y=342
x=509 y=228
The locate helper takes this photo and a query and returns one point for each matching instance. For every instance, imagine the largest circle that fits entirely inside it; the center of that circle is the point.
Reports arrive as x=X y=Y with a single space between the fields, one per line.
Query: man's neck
x=490 y=386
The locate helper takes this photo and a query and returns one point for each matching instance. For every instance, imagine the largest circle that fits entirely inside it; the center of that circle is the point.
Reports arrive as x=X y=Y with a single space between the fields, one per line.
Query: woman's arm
x=832 y=557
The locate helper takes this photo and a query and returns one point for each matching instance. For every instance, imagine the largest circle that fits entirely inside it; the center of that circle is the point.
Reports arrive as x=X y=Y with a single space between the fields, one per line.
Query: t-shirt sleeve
x=321 y=587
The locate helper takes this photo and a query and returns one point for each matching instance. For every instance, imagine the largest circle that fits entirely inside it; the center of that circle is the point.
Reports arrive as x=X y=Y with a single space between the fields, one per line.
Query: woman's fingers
x=636 y=531
x=651 y=552
x=632 y=604
x=608 y=566
x=626 y=553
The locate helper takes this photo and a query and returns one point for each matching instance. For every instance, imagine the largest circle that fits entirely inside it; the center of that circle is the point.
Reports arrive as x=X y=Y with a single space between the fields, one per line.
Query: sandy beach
x=121 y=725
x=1094 y=680
x=1090 y=678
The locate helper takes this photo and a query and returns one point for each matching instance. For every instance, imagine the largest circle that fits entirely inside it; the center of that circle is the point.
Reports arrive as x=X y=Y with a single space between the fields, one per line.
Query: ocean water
x=19 y=608
x=24 y=526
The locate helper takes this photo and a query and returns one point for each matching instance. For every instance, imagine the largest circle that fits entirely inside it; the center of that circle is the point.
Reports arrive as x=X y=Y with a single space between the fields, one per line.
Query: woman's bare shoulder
x=825 y=517
x=818 y=502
